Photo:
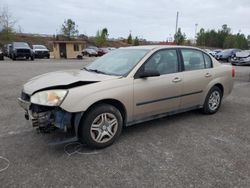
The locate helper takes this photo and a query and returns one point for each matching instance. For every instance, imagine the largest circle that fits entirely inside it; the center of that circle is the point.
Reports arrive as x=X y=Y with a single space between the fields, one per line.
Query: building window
x=76 y=47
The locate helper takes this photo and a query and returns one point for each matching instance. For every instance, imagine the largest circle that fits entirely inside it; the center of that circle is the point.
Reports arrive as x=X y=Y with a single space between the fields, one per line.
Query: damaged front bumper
x=47 y=118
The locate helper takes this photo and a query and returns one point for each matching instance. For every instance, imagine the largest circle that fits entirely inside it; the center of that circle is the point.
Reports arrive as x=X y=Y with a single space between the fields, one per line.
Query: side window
x=208 y=61
x=164 y=61
x=193 y=59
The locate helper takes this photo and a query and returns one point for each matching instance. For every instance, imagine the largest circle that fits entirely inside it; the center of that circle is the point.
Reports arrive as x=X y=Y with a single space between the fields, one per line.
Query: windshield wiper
x=95 y=70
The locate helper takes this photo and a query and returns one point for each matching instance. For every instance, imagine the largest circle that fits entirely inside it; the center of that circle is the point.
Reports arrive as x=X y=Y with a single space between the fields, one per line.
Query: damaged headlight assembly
x=49 y=97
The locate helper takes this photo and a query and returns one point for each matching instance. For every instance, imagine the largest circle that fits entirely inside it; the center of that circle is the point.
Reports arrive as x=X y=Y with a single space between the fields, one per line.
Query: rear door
x=197 y=73
x=157 y=95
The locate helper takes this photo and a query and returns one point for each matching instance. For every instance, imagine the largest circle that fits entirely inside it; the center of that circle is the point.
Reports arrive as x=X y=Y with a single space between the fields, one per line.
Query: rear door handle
x=176 y=80
x=208 y=75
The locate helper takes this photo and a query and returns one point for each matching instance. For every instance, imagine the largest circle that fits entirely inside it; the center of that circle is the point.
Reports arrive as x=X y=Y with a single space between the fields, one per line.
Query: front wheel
x=213 y=101
x=101 y=126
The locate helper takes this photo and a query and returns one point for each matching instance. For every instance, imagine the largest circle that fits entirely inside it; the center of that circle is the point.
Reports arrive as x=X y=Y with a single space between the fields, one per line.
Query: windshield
x=90 y=50
x=39 y=47
x=118 y=62
x=20 y=44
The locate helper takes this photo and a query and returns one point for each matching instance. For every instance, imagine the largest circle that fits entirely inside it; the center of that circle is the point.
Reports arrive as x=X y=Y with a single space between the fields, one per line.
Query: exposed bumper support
x=46 y=117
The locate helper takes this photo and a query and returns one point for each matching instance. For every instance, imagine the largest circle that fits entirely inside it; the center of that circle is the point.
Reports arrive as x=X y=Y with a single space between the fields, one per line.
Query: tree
x=248 y=41
x=7 y=24
x=69 y=29
x=136 y=41
x=104 y=33
x=130 y=39
x=179 y=38
x=101 y=37
x=201 y=37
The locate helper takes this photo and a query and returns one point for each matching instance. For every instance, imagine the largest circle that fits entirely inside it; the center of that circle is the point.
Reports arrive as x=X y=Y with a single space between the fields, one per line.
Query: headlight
x=49 y=98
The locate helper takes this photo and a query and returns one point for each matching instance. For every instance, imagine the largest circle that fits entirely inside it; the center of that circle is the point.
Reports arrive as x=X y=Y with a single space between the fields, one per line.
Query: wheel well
x=221 y=87
x=114 y=103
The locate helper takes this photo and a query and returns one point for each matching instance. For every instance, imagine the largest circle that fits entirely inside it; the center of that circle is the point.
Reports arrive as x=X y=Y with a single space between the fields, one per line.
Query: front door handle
x=208 y=75
x=176 y=80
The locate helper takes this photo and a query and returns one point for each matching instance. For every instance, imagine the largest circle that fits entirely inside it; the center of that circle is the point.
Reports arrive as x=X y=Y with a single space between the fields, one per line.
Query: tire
x=79 y=57
x=32 y=58
x=95 y=131
x=213 y=101
x=13 y=57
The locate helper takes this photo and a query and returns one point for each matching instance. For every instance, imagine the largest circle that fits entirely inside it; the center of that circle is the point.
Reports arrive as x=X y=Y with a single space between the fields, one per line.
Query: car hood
x=243 y=53
x=22 y=48
x=40 y=50
x=64 y=80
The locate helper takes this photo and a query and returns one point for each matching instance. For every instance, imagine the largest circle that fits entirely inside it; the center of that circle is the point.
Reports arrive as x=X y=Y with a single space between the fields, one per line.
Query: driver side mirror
x=148 y=73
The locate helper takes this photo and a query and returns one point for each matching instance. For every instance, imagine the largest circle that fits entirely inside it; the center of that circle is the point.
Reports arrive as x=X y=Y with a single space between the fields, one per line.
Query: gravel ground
x=185 y=150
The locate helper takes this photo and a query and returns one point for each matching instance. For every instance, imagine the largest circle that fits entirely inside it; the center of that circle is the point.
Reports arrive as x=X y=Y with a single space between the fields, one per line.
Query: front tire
x=213 y=101
x=101 y=126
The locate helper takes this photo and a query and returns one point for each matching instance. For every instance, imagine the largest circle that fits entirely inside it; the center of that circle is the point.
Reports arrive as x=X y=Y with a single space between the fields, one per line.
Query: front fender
x=81 y=98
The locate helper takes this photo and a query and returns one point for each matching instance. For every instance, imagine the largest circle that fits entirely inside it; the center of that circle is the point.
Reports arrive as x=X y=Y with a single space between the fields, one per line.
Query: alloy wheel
x=104 y=127
x=214 y=100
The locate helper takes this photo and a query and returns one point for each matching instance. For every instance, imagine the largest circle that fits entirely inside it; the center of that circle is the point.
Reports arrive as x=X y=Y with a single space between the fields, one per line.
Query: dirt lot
x=185 y=150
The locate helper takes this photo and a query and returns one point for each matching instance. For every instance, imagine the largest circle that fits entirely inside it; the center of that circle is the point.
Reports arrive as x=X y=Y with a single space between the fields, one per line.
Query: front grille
x=23 y=51
x=25 y=96
x=41 y=52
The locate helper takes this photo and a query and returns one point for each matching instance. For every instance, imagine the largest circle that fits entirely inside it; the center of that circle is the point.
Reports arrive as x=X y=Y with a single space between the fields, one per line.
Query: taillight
x=233 y=72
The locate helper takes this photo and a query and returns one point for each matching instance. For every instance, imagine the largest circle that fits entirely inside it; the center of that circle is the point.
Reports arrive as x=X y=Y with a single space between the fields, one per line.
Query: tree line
x=223 y=38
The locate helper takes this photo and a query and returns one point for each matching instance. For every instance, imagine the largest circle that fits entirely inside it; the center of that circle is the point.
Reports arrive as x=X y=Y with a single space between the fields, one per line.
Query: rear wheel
x=101 y=126
x=213 y=101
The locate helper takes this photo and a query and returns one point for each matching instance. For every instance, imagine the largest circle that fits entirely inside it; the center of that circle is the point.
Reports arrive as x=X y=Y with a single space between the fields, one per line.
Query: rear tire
x=101 y=126
x=213 y=101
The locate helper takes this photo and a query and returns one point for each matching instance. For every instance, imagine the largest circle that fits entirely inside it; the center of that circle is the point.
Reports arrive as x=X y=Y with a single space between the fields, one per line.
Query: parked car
x=1 y=55
x=241 y=58
x=40 y=51
x=226 y=55
x=21 y=50
x=125 y=87
x=89 y=52
x=102 y=51
x=111 y=48
x=6 y=50
x=214 y=52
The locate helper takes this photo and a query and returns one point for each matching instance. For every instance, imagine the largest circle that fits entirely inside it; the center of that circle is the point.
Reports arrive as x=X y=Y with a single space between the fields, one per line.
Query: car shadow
x=70 y=145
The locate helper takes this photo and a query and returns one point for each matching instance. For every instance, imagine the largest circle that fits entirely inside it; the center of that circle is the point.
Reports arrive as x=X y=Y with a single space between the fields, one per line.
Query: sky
x=153 y=20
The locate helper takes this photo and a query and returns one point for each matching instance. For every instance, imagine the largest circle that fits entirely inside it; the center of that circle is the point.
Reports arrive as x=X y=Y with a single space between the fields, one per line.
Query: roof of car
x=152 y=47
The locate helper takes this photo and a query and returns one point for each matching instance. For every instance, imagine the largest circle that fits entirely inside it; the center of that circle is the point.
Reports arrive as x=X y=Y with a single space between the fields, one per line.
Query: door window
x=208 y=61
x=193 y=59
x=163 y=61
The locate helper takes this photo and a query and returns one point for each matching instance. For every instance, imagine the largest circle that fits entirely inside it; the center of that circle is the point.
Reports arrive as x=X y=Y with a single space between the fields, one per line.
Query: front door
x=157 y=95
x=62 y=50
